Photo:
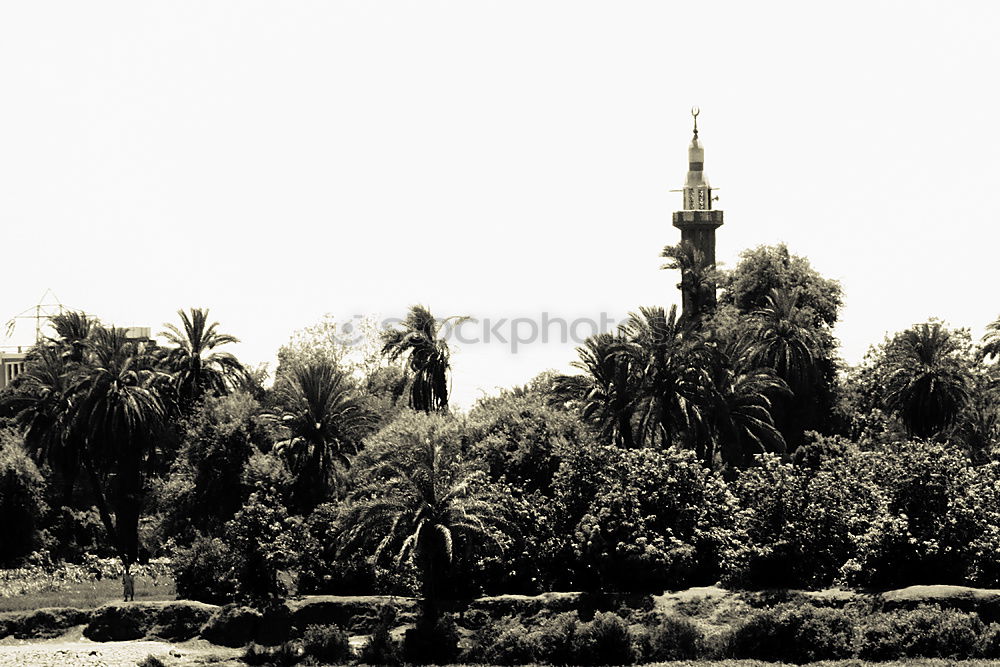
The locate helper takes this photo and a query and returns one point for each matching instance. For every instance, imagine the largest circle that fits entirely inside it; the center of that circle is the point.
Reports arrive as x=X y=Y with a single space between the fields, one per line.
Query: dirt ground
x=74 y=649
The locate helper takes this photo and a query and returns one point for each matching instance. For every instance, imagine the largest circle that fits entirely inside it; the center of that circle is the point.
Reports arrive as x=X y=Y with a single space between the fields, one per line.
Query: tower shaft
x=698 y=222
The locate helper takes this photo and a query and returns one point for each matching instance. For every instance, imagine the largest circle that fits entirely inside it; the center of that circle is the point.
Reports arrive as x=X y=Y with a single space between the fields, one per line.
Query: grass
x=85 y=586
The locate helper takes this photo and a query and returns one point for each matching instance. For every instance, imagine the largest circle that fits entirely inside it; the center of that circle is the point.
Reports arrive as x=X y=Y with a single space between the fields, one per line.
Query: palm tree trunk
x=101 y=501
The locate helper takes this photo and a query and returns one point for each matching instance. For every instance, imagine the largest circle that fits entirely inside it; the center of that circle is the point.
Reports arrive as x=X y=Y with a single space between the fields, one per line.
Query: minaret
x=698 y=222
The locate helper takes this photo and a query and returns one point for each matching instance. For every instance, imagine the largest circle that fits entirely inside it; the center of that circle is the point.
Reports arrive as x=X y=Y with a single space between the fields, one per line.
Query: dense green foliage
x=725 y=445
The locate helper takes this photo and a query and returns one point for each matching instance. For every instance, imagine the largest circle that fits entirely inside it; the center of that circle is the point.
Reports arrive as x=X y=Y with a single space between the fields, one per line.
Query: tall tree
x=43 y=403
x=698 y=279
x=605 y=392
x=666 y=355
x=778 y=300
x=196 y=368
x=73 y=330
x=326 y=421
x=119 y=411
x=991 y=341
x=780 y=337
x=419 y=339
x=736 y=419
x=927 y=385
x=420 y=500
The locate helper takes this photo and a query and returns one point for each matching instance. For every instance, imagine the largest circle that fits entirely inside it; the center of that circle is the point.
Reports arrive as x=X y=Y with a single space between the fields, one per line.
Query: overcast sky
x=276 y=161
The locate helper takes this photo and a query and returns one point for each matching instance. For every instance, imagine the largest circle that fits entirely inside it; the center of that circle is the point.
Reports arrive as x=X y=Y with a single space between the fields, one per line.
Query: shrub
x=559 y=639
x=504 y=642
x=675 y=638
x=260 y=538
x=22 y=493
x=151 y=661
x=326 y=643
x=802 y=524
x=798 y=634
x=431 y=642
x=990 y=647
x=282 y=655
x=927 y=632
x=606 y=641
x=381 y=648
x=655 y=520
x=202 y=571
x=940 y=523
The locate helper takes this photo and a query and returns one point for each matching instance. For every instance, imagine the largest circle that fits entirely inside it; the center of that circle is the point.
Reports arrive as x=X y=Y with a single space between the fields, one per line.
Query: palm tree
x=73 y=330
x=698 y=278
x=606 y=391
x=326 y=421
x=196 y=369
x=428 y=353
x=43 y=403
x=926 y=385
x=781 y=337
x=420 y=499
x=736 y=421
x=666 y=355
x=991 y=341
x=119 y=409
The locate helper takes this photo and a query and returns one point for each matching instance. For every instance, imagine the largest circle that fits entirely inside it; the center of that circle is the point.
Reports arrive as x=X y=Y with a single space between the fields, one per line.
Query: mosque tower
x=698 y=221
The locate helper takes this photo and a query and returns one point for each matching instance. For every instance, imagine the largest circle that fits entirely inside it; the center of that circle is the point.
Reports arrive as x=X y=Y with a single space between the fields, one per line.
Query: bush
x=940 y=522
x=675 y=638
x=802 y=524
x=326 y=643
x=798 y=634
x=990 y=648
x=505 y=642
x=282 y=655
x=653 y=519
x=261 y=542
x=559 y=639
x=381 y=648
x=151 y=661
x=927 y=632
x=202 y=571
x=22 y=493
x=606 y=641
x=432 y=643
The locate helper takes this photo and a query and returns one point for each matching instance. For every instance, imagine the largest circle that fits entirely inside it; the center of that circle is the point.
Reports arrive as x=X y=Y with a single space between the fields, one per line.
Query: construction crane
x=47 y=307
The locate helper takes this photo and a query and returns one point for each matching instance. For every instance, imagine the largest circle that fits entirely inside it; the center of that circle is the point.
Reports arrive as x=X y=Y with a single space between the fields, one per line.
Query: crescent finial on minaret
x=694 y=114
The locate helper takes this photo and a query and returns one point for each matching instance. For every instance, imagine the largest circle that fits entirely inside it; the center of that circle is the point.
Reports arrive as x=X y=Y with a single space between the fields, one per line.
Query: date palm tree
x=325 y=420
x=926 y=384
x=428 y=357
x=698 y=278
x=196 y=368
x=991 y=341
x=736 y=420
x=781 y=337
x=118 y=412
x=73 y=330
x=43 y=403
x=668 y=360
x=605 y=392
x=420 y=499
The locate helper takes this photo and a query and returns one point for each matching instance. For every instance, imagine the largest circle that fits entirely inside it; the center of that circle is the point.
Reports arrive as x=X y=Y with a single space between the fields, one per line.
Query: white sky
x=275 y=161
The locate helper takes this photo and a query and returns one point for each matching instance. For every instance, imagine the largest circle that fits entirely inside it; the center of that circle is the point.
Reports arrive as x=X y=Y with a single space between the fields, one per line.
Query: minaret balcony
x=698 y=219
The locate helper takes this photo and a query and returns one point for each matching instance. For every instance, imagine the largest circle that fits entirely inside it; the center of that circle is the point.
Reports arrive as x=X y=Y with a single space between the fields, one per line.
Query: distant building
x=11 y=365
